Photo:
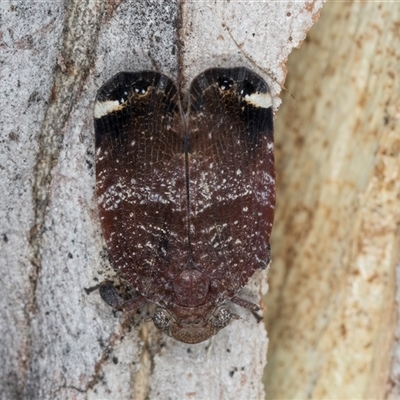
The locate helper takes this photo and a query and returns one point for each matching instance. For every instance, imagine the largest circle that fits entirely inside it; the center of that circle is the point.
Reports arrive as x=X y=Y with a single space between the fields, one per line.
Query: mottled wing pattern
x=141 y=185
x=231 y=175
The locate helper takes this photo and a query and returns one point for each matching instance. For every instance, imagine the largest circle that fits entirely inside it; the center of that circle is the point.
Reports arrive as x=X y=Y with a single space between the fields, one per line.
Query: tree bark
x=332 y=308
x=59 y=339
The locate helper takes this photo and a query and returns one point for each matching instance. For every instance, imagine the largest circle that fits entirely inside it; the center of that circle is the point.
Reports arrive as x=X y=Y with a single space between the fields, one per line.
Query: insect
x=186 y=197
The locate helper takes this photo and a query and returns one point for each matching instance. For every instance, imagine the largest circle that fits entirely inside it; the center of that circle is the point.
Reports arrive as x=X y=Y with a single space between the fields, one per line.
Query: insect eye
x=162 y=319
x=225 y=83
x=222 y=318
x=141 y=87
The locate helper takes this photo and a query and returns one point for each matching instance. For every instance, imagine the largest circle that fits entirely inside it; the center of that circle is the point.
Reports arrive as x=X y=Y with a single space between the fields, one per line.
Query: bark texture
x=59 y=339
x=332 y=308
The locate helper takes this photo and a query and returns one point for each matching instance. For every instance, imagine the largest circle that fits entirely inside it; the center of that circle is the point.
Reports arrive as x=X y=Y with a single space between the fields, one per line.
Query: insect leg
x=248 y=305
x=110 y=295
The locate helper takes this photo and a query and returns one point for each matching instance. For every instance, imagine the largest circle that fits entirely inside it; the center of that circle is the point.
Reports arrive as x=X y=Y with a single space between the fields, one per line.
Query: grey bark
x=59 y=340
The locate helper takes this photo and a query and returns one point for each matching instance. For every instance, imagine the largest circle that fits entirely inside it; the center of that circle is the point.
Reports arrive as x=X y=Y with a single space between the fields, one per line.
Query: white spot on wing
x=262 y=100
x=102 y=108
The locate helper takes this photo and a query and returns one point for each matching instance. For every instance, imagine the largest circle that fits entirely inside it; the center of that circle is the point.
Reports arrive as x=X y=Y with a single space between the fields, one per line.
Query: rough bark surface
x=331 y=305
x=59 y=339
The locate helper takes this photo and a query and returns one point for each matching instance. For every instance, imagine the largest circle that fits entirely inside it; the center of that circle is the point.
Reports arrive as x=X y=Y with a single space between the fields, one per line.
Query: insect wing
x=231 y=175
x=140 y=177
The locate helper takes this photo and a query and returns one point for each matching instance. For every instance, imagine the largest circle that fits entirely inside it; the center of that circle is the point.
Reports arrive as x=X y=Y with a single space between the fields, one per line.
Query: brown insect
x=186 y=197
